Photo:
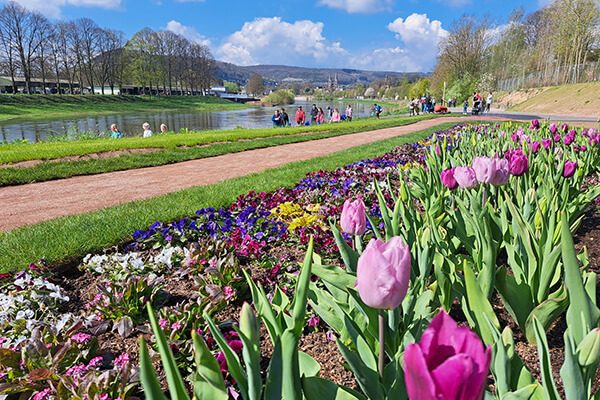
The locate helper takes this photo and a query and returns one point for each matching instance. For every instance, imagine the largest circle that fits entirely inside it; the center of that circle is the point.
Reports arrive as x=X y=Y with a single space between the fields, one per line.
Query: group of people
x=478 y=103
x=317 y=116
x=423 y=104
x=116 y=133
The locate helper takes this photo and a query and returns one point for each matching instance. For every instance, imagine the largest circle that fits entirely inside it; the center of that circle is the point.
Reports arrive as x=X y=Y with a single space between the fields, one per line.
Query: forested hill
x=315 y=76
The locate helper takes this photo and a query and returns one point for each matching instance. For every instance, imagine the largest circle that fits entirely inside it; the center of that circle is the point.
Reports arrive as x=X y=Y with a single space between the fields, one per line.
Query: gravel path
x=37 y=202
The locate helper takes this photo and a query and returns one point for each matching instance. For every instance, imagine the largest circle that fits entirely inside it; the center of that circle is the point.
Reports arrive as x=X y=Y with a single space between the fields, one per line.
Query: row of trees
x=557 y=44
x=83 y=54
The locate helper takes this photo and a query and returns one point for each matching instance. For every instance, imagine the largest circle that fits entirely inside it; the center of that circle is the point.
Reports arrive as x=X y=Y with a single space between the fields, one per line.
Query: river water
x=131 y=123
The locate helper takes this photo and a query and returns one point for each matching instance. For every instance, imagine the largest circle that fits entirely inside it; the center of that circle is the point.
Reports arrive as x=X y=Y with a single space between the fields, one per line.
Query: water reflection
x=131 y=123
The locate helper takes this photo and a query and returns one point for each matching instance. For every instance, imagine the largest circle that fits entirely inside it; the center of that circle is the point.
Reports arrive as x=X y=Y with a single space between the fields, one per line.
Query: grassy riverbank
x=165 y=149
x=27 y=107
x=69 y=238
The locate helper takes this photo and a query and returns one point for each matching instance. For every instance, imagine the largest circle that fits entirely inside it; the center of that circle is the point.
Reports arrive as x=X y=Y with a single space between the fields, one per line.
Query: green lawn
x=69 y=238
x=28 y=107
x=173 y=148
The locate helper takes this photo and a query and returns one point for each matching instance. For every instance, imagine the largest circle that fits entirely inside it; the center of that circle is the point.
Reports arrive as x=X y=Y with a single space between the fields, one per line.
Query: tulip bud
x=557 y=138
x=569 y=169
x=547 y=143
x=465 y=177
x=354 y=217
x=535 y=147
x=248 y=324
x=383 y=273
x=448 y=180
x=450 y=362
x=553 y=128
x=589 y=349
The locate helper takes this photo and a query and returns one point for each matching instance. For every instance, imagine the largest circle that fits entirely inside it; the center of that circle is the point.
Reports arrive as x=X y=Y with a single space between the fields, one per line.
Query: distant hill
x=277 y=74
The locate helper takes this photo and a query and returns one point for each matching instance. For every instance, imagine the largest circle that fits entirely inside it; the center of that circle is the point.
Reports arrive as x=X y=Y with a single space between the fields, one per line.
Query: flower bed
x=479 y=208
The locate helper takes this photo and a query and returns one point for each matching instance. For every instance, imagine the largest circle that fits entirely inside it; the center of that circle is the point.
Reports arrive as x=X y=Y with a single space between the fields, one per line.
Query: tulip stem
x=381 y=341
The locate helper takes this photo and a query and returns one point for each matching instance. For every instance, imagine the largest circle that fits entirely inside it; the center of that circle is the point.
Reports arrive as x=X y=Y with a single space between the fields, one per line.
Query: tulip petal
x=419 y=383
x=454 y=379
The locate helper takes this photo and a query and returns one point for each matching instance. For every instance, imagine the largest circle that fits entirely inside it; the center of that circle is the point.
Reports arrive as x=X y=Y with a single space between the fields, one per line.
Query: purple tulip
x=583 y=148
x=564 y=127
x=557 y=138
x=514 y=137
x=449 y=363
x=535 y=147
x=568 y=140
x=518 y=164
x=465 y=177
x=383 y=273
x=535 y=124
x=448 y=179
x=354 y=217
x=491 y=170
x=547 y=143
x=553 y=128
x=569 y=169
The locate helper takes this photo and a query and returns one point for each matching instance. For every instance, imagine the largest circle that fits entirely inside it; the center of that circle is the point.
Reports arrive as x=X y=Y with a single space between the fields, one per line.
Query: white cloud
x=187 y=32
x=273 y=41
x=420 y=39
x=358 y=6
x=52 y=8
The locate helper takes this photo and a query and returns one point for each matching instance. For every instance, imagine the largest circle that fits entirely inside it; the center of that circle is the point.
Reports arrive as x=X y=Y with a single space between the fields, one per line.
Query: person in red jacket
x=300 y=116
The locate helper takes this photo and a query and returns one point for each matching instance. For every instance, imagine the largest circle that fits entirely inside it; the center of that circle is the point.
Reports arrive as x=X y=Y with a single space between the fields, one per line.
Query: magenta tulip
x=354 y=217
x=449 y=363
x=583 y=148
x=564 y=128
x=535 y=124
x=518 y=164
x=448 y=179
x=547 y=143
x=535 y=147
x=569 y=138
x=569 y=169
x=383 y=273
x=553 y=128
x=465 y=177
x=557 y=138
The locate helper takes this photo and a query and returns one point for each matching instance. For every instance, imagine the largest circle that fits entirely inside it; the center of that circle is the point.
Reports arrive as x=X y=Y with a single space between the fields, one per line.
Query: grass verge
x=63 y=169
x=20 y=107
x=69 y=238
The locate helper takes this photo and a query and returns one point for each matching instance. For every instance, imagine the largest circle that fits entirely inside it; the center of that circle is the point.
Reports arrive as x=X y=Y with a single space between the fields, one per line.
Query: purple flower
x=383 y=273
x=569 y=169
x=448 y=180
x=557 y=138
x=535 y=147
x=491 y=170
x=42 y=395
x=229 y=293
x=163 y=323
x=518 y=164
x=314 y=321
x=535 y=124
x=448 y=363
x=547 y=143
x=569 y=139
x=176 y=325
x=465 y=177
x=354 y=217
x=121 y=360
x=94 y=362
x=553 y=128
x=81 y=338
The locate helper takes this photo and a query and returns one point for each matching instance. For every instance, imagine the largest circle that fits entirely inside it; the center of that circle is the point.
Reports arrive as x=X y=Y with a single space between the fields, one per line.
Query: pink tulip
x=449 y=363
x=535 y=147
x=491 y=170
x=547 y=143
x=518 y=164
x=569 y=169
x=448 y=180
x=354 y=217
x=465 y=177
x=383 y=273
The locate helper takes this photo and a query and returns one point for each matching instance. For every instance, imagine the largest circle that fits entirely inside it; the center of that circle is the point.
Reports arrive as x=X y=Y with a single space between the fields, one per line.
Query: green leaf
x=308 y=365
x=545 y=365
x=546 y=313
x=233 y=362
x=301 y=293
x=208 y=381
x=291 y=384
x=349 y=256
x=264 y=309
x=335 y=276
x=150 y=382
x=367 y=379
x=318 y=388
x=175 y=381
x=574 y=385
x=250 y=337
x=479 y=307
x=529 y=392
x=274 y=385
x=582 y=314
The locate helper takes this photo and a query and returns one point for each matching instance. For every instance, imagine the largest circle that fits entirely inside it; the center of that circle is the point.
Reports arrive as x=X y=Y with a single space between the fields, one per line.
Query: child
x=465 y=105
x=147 y=131
x=115 y=133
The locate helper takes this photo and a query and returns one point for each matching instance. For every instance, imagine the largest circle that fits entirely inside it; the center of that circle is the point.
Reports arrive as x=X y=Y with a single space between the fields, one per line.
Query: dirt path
x=37 y=202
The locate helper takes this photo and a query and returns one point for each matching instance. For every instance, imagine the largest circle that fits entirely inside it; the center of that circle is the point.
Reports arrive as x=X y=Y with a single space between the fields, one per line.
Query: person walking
x=488 y=102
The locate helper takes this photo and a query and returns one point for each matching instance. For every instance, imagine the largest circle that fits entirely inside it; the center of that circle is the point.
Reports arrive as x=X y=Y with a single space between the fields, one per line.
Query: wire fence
x=553 y=76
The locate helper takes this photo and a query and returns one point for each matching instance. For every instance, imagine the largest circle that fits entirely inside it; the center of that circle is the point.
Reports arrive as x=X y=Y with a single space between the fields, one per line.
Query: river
x=131 y=122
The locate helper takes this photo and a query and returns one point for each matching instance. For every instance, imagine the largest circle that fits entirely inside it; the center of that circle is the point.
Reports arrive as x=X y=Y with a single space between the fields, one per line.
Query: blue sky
x=399 y=35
